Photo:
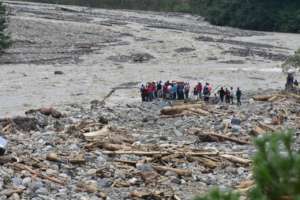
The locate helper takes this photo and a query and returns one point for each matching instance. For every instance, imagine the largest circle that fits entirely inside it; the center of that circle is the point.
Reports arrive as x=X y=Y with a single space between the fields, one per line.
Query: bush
x=216 y=194
x=276 y=170
x=184 y=7
x=293 y=62
x=276 y=167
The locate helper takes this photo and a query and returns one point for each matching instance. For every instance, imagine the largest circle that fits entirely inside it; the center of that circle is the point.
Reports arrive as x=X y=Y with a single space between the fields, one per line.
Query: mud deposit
x=97 y=50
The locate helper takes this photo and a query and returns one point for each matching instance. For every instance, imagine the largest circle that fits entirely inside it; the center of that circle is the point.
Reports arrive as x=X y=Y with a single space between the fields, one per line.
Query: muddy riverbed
x=95 y=50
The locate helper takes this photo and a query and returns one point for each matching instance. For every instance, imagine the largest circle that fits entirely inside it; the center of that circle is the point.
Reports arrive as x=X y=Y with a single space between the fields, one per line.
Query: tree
x=4 y=37
x=276 y=170
x=292 y=63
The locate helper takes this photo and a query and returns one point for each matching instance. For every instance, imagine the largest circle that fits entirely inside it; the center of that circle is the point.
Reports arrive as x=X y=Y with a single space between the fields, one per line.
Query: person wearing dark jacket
x=206 y=92
x=222 y=94
x=238 y=96
x=227 y=96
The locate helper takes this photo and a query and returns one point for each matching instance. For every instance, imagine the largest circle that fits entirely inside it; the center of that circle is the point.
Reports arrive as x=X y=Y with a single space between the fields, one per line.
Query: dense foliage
x=4 y=38
x=276 y=171
x=276 y=168
x=266 y=15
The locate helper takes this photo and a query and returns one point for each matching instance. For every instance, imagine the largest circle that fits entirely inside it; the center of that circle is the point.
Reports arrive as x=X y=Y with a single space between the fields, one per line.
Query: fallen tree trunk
x=34 y=173
x=263 y=97
x=108 y=146
x=179 y=109
x=160 y=153
x=266 y=127
x=138 y=153
x=236 y=159
x=215 y=137
x=180 y=172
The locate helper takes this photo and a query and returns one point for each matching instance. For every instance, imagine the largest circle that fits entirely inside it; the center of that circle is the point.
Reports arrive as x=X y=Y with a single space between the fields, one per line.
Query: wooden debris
x=138 y=153
x=217 y=137
x=108 y=146
x=277 y=120
x=89 y=187
x=206 y=162
x=266 y=127
x=35 y=173
x=236 y=159
x=146 y=195
x=180 y=172
x=149 y=177
x=176 y=110
x=9 y=192
x=245 y=184
x=8 y=159
x=263 y=97
x=77 y=159
x=46 y=111
x=257 y=131
x=91 y=136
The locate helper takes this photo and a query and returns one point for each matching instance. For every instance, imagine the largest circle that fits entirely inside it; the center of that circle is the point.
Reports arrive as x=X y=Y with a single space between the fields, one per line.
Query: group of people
x=168 y=90
x=177 y=90
x=228 y=95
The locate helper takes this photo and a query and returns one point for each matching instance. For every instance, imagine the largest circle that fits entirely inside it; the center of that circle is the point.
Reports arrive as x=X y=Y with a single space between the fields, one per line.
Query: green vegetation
x=155 y=5
x=4 y=38
x=276 y=170
x=216 y=194
x=265 y=15
x=293 y=62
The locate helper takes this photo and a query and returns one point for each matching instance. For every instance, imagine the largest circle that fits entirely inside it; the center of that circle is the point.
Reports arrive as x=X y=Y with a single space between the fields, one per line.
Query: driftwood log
x=38 y=174
x=214 y=137
x=180 y=172
x=175 y=110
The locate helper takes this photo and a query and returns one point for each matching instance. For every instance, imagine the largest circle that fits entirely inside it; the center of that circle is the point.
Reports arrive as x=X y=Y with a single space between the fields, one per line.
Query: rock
x=16 y=181
x=89 y=186
x=105 y=182
x=91 y=172
x=52 y=157
x=50 y=112
x=26 y=181
x=170 y=174
x=14 y=196
x=58 y=72
x=36 y=185
x=42 y=191
x=175 y=180
x=149 y=177
x=132 y=181
x=3 y=145
x=184 y=50
x=240 y=171
x=178 y=133
x=235 y=128
x=235 y=121
x=144 y=167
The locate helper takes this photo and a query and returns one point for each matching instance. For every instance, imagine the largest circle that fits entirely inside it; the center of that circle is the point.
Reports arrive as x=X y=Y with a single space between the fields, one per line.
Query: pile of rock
x=146 y=151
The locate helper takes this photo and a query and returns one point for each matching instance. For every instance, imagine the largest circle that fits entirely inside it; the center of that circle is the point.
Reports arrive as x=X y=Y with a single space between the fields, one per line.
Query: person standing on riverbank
x=238 y=96
x=222 y=94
